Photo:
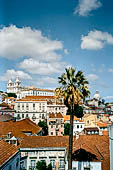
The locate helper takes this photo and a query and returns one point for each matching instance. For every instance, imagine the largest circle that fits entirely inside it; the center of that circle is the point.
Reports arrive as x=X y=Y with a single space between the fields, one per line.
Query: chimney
x=77 y=135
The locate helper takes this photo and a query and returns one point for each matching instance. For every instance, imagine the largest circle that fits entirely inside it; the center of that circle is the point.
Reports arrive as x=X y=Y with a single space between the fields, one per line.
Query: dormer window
x=9 y=135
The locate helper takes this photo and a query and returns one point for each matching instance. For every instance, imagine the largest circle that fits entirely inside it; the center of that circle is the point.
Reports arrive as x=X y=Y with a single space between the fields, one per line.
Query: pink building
x=55 y=124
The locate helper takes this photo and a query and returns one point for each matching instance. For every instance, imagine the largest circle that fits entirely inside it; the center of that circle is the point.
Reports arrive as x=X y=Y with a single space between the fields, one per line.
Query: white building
x=78 y=124
x=21 y=91
x=56 y=108
x=37 y=108
x=95 y=100
x=52 y=149
x=14 y=87
x=32 y=91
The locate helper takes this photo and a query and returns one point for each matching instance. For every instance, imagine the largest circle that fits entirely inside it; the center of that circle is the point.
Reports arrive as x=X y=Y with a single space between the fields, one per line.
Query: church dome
x=97 y=95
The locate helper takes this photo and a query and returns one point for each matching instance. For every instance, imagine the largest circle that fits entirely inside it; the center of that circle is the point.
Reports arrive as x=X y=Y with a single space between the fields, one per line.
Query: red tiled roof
x=67 y=117
x=97 y=145
x=44 y=141
x=4 y=104
x=102 y=124
x=6 y=151
x=55 y=115
x=36 y=98
x=18 y=128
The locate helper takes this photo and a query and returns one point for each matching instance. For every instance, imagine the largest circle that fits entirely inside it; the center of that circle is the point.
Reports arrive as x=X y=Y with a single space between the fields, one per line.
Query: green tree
x=44 y=126
x=74 y=87
x=12 y=95
x=41 y=165
x=66 y=128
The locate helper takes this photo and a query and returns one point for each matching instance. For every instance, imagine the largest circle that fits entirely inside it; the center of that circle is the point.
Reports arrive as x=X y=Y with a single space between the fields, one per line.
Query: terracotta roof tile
x=6 y=151
x=44 y=141
x=18 y=128
x=55 y=115
x=67 y=117
x=97 y=145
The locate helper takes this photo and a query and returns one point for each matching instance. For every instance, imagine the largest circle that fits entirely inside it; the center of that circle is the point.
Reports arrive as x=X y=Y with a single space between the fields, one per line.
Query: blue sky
x=39 y=38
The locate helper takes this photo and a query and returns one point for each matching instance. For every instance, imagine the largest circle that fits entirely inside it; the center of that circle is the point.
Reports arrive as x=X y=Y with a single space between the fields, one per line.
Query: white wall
x=82 y=165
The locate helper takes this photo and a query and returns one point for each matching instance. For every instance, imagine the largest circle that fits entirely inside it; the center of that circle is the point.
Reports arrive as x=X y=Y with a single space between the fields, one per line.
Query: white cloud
x=86 y=6
x=110 y=70
x=66 y=51
x=42 y=68
x=96 y=40
x=92 y=77
x=12 y=74
x=108 y=98
x=47 y=80
x=19 y=42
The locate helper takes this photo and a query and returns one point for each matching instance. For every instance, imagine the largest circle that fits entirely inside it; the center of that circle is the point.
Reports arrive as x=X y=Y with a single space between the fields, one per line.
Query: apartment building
x=55 y=124
x=78 y=124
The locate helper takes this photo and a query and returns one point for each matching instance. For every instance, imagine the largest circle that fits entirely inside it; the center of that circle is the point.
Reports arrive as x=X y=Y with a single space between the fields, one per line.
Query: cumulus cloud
x=19 y=42
x=96 y=40
x=110 y=70
x=86 y=6
x=92 y=77
x=108 y=98
x=47 y=80
x=42 y=68
x=12 y=74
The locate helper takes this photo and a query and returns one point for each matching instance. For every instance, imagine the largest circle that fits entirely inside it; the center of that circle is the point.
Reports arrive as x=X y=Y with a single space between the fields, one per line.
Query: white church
x=14 y=87
x=21 y=91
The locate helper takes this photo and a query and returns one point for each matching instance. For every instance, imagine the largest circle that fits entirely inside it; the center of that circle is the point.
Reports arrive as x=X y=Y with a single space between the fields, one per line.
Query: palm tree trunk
x=70 y=140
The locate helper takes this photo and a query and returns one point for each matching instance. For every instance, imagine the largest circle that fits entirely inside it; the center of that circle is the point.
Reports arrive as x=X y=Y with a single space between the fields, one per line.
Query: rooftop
x=6 y=151
x=97 y=145
x=55 y=115
x=18 y=128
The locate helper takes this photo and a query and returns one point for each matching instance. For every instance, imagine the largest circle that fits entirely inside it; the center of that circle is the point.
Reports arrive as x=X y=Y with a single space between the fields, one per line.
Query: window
x=51 y=126
x=86 y=168
x=27 y=106
x=81 y=126
x=26 y=115
x=52 y=163
x=40 y=106
x=56 y=133
x=18 y=106
x=51 y=133
x=22 y=106
x=33 y=163
x=33 y=106
x=22 y=115
x=61 y=165
x=77 y=126
x=18 y=116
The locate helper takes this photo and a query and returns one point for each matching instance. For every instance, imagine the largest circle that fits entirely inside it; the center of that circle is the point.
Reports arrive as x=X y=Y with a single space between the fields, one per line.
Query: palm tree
x=73 y=88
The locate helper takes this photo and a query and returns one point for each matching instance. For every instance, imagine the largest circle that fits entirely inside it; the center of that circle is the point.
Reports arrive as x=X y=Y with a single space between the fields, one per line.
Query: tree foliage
x=74 y=87
x=12 y=95
x=78 y=111
x=44 y=126
x=41 y=165
x=66 y=128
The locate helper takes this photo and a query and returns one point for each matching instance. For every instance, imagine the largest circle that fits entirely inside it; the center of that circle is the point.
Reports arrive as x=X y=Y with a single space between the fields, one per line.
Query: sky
x=40 y=38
